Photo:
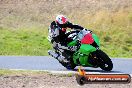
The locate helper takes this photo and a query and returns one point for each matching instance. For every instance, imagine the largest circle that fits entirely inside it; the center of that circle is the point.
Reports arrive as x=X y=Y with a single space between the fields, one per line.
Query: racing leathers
x=59 y=38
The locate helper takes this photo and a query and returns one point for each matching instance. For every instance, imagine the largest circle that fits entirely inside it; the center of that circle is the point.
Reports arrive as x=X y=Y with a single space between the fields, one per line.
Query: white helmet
x=60 y=19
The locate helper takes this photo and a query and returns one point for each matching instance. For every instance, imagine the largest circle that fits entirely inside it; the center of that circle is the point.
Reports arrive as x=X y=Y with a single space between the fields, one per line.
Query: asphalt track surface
x=50 y=64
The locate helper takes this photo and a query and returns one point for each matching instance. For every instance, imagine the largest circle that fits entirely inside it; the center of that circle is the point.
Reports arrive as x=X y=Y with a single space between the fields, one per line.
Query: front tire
x=105 y=62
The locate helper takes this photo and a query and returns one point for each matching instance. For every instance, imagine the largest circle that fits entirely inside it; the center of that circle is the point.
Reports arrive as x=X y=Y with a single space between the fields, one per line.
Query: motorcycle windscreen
x=87 y=39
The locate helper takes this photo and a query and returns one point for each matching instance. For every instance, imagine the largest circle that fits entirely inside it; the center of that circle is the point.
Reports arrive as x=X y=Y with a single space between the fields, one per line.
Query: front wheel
x=104 y=61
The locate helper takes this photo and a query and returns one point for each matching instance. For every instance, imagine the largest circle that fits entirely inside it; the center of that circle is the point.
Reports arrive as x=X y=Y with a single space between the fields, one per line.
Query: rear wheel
x=104 y=61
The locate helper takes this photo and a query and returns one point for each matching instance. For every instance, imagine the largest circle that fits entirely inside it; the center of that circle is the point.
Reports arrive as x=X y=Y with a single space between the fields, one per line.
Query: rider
x=57 y=31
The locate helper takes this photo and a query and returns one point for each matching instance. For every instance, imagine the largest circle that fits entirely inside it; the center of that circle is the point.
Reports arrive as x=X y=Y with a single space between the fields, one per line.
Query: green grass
x=30 y=38
x=33 y=42
x=20 y=72
x=23 y=42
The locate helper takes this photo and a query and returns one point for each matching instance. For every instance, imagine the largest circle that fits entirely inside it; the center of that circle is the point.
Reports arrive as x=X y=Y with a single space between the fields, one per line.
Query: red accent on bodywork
x=87 y=39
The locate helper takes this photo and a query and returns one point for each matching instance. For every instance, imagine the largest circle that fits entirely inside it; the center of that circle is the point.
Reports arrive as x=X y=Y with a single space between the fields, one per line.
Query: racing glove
x=86 y=31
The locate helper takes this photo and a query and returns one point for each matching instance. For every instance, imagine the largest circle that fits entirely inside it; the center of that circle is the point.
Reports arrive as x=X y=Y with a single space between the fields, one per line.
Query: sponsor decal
x=83 y=78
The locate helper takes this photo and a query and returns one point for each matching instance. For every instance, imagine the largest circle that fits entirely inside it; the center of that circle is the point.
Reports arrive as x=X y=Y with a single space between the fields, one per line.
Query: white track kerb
x=65 y=72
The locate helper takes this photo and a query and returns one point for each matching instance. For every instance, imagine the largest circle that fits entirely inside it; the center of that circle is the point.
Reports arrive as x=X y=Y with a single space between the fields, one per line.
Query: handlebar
x=71 y=32
x=79 y=34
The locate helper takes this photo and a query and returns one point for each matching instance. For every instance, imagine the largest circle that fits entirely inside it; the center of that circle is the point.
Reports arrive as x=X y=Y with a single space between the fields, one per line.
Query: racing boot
x=57 y=56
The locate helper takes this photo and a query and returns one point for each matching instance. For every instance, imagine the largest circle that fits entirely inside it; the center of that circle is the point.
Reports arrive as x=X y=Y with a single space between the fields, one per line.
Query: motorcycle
x=88 y=53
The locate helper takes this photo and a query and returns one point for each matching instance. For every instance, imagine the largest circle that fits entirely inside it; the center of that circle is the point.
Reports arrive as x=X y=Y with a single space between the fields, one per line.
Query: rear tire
x=105 y=62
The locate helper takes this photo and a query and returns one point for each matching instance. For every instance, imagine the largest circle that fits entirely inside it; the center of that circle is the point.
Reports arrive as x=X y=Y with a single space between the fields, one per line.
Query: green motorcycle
x=88 y=53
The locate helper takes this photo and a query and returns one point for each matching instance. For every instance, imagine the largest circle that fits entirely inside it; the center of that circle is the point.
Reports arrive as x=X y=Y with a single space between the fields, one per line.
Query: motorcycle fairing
x=87 y=39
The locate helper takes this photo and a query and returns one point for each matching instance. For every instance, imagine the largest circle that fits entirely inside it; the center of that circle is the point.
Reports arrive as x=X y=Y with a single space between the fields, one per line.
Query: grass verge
x=21 y=72
x=24 y=42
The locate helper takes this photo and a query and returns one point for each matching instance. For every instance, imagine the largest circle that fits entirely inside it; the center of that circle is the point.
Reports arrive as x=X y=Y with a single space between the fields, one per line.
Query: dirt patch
x=47 y=80
x=18 y=13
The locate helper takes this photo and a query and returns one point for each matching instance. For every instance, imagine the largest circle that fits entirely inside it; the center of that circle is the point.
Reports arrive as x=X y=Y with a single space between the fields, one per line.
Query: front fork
x=93 y=59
